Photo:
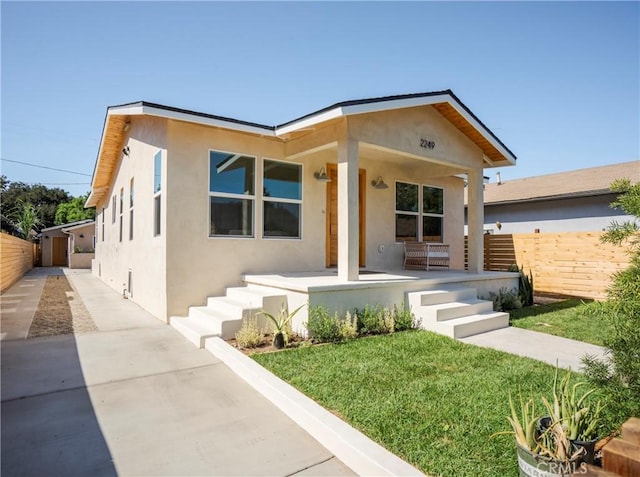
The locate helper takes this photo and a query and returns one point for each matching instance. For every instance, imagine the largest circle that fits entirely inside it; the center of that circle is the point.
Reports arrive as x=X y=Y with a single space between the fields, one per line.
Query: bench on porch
x=424 y=256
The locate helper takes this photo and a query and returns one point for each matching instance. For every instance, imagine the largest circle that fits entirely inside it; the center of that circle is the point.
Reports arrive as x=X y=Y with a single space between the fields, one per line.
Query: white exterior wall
x=145 y=255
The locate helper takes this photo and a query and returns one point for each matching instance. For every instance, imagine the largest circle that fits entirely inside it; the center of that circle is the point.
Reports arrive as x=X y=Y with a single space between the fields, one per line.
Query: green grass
x=433 y=401
x=563 y=318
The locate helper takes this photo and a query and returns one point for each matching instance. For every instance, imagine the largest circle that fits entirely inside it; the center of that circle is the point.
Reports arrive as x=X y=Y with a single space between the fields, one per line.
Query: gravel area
x=60 y=311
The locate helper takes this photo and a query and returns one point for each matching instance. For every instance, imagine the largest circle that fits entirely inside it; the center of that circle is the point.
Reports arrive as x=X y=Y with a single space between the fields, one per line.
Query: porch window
x=406 y=212
x=432 y=213
x=131 y=189
x=419 y=213
x=282 y=199
x=231 y=194
x=121 y=206
x=102 y=230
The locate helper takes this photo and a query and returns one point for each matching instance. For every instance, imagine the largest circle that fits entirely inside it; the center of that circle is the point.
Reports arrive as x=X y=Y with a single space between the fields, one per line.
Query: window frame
x=282 y=200
x=121 y=224
x=228 y=195
x=421 y=214
x=157 y=195
x=131 y=199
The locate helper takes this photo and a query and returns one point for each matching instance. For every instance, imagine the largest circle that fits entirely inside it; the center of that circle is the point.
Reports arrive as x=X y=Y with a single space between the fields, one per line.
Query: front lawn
x=429 y=399
x=564 y=318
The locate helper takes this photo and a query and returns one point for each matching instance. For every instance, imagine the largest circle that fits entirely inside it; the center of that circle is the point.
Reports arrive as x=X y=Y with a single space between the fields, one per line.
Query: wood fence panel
x=568 y=263
x=17 y=257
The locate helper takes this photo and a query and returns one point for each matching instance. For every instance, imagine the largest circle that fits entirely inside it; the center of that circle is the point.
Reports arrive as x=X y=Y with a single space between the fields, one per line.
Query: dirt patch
x=267 y=345
x=60 y=311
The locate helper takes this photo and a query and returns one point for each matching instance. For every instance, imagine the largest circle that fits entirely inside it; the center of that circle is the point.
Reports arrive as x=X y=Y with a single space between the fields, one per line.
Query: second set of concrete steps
x=222 y=315
x=455 y=312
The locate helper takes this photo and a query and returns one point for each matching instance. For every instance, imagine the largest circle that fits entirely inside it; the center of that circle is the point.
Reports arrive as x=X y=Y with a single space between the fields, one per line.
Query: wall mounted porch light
x=125 y=151
x=379 y=183
x=322 y=176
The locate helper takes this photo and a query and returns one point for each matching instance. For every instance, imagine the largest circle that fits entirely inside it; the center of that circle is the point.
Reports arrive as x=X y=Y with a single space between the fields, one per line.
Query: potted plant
x=280 y=324
x=558 y=442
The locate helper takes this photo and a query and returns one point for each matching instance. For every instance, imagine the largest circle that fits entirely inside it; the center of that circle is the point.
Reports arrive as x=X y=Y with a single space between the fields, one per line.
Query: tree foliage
x=45 y=201
x=619 y=374
x=73 y=211
x=26 y=219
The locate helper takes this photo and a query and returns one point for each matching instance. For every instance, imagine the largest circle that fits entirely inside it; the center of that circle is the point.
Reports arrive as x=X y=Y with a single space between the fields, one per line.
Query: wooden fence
x=570 y=263
x=17 y=257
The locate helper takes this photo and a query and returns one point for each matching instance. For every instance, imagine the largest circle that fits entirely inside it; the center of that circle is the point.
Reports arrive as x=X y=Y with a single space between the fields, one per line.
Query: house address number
x=427 y=144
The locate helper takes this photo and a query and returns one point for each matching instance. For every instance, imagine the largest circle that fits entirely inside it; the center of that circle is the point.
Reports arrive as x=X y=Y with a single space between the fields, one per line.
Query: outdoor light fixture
x=322 y=176
x=379 y=183
x=125 y=151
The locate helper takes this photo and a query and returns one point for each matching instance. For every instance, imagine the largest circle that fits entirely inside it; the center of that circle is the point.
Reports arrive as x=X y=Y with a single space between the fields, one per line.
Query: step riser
x=439 y=297
x=444 y=314
x=480 y=326
x=240 y=310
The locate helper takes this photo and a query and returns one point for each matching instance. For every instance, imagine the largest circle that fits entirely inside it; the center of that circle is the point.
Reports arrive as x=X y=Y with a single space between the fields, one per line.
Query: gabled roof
x=578 y=183
x=69 y=226
x=445 y=102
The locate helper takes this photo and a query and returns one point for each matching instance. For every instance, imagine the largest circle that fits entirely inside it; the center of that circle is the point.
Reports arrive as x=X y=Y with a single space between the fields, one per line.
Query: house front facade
x=188 y=204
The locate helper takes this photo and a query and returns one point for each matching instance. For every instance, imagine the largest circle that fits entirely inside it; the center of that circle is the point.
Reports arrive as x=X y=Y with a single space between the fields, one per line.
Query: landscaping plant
x=525 y=290
x=281 y=325
x=249 y=334
x=618 y=376
x=322 y=326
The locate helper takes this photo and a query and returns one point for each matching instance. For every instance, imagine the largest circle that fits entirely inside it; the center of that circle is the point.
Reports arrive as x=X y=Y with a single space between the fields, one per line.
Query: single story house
x=202 y=217
x=68 y=245
x=573 y=201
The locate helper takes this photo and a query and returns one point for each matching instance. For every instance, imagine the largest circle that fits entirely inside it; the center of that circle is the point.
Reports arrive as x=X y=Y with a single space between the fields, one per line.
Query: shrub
x=505 y=300
x=525 y=291
x=404 y=318
x=349 y=327
x=322 y=326
x=371 y=320
x=249 y=334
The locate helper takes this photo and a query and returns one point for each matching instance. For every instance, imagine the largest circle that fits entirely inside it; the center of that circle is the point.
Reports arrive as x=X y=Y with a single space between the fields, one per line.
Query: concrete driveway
x=136 y=398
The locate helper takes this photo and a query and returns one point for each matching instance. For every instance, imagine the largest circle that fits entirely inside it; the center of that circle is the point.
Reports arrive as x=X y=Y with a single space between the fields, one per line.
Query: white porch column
x=348 y=220
x=475 y=220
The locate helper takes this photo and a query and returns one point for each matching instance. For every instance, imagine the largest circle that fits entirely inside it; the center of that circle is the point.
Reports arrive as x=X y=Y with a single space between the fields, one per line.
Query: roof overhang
x=495 y=153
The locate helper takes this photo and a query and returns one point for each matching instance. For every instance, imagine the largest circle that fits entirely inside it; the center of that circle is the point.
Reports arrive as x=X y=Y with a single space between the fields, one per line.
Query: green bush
x=404 y=318
x=249 y=334
x=371 y=320
x=505 y=300
x=322 y=326
x=525 y=291
x=349 y=327
x=618 y=376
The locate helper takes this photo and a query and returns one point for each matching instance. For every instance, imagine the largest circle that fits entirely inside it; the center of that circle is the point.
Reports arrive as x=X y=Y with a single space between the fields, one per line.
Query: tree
x=26 y=219
x=73 y=211
x=619 y=375
x=44 y=200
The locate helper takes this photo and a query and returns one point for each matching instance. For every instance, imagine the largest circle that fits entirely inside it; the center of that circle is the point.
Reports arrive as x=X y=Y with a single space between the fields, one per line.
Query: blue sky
x=557 y=82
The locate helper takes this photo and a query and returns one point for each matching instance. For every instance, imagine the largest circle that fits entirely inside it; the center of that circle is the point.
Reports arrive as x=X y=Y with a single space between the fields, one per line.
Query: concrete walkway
x=134 y=398
x=551 y=349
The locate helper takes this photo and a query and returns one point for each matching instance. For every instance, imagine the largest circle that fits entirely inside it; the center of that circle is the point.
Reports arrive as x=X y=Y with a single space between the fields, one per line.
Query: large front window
x=282 y=199
x=419 y=213
x=231 y=194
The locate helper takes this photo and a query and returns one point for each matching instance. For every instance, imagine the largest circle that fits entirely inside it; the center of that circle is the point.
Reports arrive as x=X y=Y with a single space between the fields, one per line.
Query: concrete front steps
x=456 y=312
x=222 y=316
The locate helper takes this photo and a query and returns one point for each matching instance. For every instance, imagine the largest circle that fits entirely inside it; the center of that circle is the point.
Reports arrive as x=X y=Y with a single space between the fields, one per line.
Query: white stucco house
x=203 y=219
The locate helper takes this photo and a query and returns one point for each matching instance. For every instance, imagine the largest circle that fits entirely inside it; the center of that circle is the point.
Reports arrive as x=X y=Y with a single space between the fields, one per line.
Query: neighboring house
x=574 y=201
x=190 y=204
x=68 y=245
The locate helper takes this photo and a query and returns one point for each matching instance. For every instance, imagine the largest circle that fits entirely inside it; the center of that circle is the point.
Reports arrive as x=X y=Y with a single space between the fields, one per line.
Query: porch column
x=348 y=220
x=475 y=220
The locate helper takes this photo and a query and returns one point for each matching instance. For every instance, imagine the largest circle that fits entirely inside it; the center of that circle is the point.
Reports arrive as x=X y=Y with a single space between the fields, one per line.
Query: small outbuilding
x=68 y=245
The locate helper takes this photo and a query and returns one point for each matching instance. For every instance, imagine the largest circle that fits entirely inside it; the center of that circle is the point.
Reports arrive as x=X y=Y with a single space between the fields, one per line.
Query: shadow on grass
x=537 y=310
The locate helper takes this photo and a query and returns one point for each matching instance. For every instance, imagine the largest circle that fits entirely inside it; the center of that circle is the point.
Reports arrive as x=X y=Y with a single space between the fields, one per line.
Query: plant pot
x=543 y=424
x=535 y=465
x=278 y=340
x=589 y=447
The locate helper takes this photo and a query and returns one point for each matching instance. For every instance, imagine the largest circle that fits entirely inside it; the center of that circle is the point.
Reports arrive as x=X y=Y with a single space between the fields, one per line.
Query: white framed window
x=281 y=199
x=121 y=210
x=157 y=193
x=131 y=192
x=102 y=230
x=232 y=196
x=419 y=213
x=113 y=209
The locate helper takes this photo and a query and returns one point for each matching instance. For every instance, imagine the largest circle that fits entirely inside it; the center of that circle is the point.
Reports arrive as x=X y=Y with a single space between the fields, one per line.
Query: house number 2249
x=427 y=144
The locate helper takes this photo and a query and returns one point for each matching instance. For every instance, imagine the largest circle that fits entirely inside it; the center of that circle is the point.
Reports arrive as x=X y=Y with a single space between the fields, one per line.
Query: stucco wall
x=199 y=266
x=583 y=214
x=145 y=255
x=46 y=246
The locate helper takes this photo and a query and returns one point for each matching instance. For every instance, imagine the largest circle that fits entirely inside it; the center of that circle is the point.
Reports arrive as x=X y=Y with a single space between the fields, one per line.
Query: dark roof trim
x=193 y=113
